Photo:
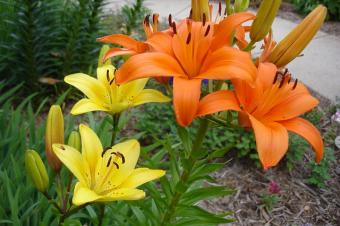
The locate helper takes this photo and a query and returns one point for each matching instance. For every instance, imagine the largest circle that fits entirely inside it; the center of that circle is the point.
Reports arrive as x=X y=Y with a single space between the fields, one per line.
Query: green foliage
x=270 y=200
x=296 y=149
x=306 y=6
x=47 y=39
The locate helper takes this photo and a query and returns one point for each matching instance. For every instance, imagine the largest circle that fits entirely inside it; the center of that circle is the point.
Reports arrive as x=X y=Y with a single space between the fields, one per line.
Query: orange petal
x=125 y=41
x=228 y=63
x=112 y=52
x=240 y=35
x=306 y=130
x=218 y=101
x=148 y=65
x=161 y=42
x=271 y=141
x=225 y=29
x=266 y=74
x=186 y=97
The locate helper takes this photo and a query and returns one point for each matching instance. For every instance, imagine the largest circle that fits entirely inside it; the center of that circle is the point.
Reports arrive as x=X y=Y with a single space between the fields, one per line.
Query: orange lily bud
x=264 y=19
x=74 y=140
x=36 y=170
x=54 y=134
x=200 y=8
x=293 y=44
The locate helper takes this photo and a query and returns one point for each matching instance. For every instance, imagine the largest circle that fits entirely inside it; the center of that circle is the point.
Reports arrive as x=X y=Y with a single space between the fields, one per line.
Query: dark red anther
x=170 y=20
x=147 y=20
x=108 y=162
x=207 y=31
x=285 y=72
x=282 y=81
x=190 y=15
x=295 y=84
x=225 y=11
x=112 y=81
x=117 y=166
x=153 y=18
x=289 y=79
x=174 y=27
x=220 y=7
x=276 y=76
x=188 y=38
x=107 y=75
x=121 y=156
x=62 y=148
x=204 y=19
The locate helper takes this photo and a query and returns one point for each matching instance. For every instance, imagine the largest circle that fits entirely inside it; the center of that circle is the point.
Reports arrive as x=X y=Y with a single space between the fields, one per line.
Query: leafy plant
x=270 y=200
x=306 y=6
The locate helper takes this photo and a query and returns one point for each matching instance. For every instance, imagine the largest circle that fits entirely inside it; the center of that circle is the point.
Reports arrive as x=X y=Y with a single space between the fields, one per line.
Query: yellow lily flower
x=104 y=95
x=105 y=175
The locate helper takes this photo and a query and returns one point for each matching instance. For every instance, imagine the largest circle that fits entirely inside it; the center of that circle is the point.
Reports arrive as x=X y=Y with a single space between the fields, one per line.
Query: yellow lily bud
x=241 y=5
x=293 y=44
x=200 y=8
x=74 y=140
x=54 y=134
x=36 y=170
x=264 y=19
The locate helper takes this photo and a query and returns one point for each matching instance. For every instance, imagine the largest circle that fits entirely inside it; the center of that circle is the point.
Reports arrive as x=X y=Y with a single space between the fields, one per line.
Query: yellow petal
x=123 y=194
x=133 y=88
x=73 y=160
x=91 y=148
x=130 y=150
x=83 y=194
x=150 y=95
x=91 y=87
x=140 y=176
x=86 y=105
x=106 y=73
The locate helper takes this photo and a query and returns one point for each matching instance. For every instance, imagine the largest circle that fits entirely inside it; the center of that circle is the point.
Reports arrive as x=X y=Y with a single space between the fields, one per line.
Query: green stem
x=192 y=158
x=115 y=121
x=101 y=214
x=249 y=47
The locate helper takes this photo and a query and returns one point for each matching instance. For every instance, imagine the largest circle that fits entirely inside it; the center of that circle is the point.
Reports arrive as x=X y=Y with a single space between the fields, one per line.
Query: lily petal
x=140 y=176
x=91 y=87
x=306 y=130
x=150 y=95
x=161 y=42
x=91 y=148
x=112 y=52
x=148 y=65
x=133 y=88
x=218 y=101
x=82 y=194
x=73 y=160
x=123 y=194
x=86 y=105
x=125 y=41
x=228 y=63
x=186 y=98
x=271 y=141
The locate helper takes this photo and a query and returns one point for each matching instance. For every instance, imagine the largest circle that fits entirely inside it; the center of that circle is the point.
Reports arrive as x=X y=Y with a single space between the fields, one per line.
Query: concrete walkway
x=319 y=68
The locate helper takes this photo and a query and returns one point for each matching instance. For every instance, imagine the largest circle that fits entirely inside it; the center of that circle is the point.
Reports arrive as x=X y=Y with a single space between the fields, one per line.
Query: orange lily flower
x=271 y=108
x=195 y=51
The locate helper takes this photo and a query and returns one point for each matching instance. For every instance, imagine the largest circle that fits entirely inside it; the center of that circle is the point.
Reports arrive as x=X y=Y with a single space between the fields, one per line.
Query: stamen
x=170 y=20
x=190 y=15
x=276 y=76
x=295 y=84
x=207 y=31
x=147 y=20
x=188 y=38
x=282 y=81
x=112 y=81
x=62 y=148
x=220 y=7
x=285 y=72
x=225 y=11
x=117 y=166
x=204 y=19
x=108 y=162
x=153 y=18
x=121 y=156
x=289 y=79
x=108 y=75
x=105 y=150
x=174 y=27
x=189 y=24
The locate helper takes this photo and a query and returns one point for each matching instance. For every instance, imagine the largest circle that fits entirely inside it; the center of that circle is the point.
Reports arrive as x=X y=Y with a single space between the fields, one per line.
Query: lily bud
x=36 y=170
x=264 y=19
x=241 y=5
x=74 y=140
x=293 y=44
x=54 y=134
x=200 y=8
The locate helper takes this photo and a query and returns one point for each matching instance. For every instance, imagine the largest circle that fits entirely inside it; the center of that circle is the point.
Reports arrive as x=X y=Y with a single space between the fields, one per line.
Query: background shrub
x=306 y=6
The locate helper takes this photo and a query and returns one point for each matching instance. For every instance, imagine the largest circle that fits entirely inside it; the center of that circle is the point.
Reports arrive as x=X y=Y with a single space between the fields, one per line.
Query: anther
x=112 y=81
x=153 y=18
x=204 y=19
x=295 y=84
x=121 y=156
x=190 y=15
x=62 y=148
x=170 y=20
x=220 y=7
x=174 y=27
x=105 y=150
x=147 y=20
x=117 y=166
x=275 y=78
x=282 y=81
x=285 y=72
x=108 y=75
x=108 y=162
x=188 y=38
x=225 y=11
x=289 y=79
x=207 y=31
